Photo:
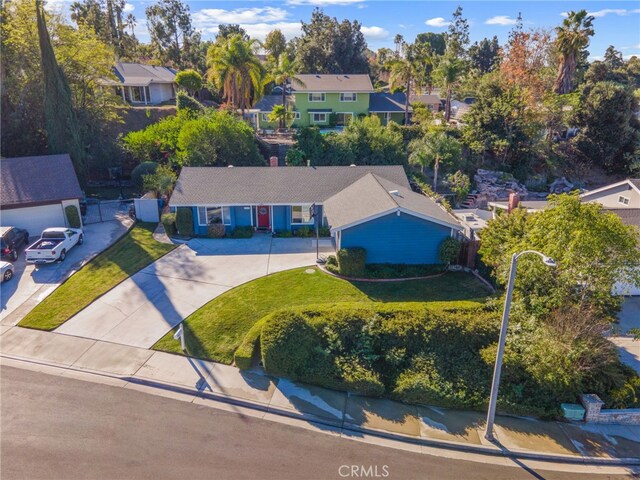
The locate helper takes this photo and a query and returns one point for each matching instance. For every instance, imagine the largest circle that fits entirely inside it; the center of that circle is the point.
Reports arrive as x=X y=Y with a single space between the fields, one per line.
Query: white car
x=54 y=244
x=6 y=271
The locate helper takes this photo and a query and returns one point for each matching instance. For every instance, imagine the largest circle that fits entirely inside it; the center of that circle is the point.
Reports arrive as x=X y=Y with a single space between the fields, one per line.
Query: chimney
x=514 y=201
x=273 y=161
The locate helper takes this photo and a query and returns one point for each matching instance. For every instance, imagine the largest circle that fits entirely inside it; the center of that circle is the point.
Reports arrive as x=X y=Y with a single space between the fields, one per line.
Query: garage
x=35 y=200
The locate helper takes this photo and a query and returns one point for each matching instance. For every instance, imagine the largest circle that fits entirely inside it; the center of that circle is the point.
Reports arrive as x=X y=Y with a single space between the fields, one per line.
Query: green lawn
x=131 y=253
x=216 y=330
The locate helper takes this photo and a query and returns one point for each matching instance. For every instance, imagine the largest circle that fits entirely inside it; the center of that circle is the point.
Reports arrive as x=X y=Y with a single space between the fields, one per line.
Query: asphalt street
x=58 y=428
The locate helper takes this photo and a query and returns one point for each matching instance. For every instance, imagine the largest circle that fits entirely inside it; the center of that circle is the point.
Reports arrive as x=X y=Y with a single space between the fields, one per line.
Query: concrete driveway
x=143 y=308
x=31 y=284
x=629 y=317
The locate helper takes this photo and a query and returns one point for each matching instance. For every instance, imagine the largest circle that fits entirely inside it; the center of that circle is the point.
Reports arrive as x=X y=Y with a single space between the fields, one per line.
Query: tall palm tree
x=402 y=72
x=434 y=149
x=235 y=68
x=572 y=38
x=448 y=74
x=282 y=72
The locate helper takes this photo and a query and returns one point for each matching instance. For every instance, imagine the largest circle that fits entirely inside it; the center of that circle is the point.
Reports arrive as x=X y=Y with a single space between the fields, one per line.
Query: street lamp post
x=495 y=385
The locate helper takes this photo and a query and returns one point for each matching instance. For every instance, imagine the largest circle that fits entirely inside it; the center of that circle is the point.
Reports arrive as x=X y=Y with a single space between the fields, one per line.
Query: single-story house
x=140 y=84
x=371 y=207
x=36 y=190
x=432 y=101
x=388 y=106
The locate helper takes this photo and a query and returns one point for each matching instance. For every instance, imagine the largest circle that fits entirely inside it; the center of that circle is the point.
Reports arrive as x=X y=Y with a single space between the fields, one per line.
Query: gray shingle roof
x=630 y=216
x=635 y=181
x=333 y=83
x=139 y=74
x=42 y=180
x=426 y=99
x=387 y=102
x=272 y=185
x=372 y=195
x=267 y=103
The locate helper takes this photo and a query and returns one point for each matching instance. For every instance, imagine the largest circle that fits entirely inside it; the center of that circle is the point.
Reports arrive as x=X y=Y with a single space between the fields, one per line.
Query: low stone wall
x=594 y=413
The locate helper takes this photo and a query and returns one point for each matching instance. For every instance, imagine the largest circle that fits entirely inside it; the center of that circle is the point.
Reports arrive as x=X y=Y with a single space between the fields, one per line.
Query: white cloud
x=374 y=33
x=437 y=22
x=128 y=8
x=606 y=11
x=322 y=3
x=628 y=56
x=503 y=20
x=212 y=17
x=261 y=30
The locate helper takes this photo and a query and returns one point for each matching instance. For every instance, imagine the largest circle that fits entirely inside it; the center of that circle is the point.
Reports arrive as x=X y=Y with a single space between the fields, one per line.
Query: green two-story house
x=314 y=98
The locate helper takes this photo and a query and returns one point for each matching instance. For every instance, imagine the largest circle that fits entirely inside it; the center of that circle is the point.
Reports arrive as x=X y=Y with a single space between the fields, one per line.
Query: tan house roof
x=137 y=74
x=359 y=83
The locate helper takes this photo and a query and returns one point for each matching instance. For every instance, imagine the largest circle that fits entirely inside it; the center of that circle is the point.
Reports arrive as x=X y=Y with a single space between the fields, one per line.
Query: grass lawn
x=216 y=330
x=131 y=253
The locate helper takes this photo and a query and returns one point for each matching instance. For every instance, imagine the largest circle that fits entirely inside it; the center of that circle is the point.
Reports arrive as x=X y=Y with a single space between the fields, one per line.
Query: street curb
x=349 y=429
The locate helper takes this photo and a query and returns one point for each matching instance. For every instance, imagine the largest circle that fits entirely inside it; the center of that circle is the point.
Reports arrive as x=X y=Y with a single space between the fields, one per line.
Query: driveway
x=143 y=308
x=31 y=284
x=629 y=317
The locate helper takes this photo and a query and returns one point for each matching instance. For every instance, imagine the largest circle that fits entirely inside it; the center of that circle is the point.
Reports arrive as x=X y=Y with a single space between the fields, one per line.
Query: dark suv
x=12 y=239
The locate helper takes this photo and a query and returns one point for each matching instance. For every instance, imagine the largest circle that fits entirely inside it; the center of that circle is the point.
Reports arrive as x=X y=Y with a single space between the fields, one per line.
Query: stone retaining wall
x=595 y=414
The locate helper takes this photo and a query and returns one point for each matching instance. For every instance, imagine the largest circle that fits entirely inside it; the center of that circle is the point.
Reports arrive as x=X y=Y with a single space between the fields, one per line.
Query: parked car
x=6 y=271
x=54 y=244
x=12 y=239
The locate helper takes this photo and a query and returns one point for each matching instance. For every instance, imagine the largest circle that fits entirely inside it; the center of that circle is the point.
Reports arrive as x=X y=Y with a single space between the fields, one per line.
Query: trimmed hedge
x=351 y=261
x=216 y=230
x=242 y=232
x=73 y=216
x=449 y=250
x=169 y=222
x=411 y=353
x=391 y=270
x=243 y=356
x=184 y=221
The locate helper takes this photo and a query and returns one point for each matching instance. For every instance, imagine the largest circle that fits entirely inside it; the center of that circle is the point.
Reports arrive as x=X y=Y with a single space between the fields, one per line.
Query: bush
x=185 y=102
x=169 y=222
x=216 y=230
x=449 y=250
x=324 y=232
x=284 y=234
x=243 y=356
x=73 y=216
x=332 y=260
x=304 y=232
x=351 y=261
x=242 y=232
x=138 y=173
x=294 y=157
x=190 y=80
x=184 y=221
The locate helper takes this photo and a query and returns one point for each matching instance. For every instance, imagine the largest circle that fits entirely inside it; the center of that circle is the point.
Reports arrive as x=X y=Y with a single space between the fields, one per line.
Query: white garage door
x=34 y=219
x=622 y=288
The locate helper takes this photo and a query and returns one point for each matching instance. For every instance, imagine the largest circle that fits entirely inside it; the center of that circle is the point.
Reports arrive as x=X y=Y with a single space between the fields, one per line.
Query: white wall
x=160 y=92
x=609 y=197
x=34 y=219
x=147 y=209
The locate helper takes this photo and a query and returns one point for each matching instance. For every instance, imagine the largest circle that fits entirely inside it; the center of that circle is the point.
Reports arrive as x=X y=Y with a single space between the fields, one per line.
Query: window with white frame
x=265 y=117
x=623 y=200
x=316 y=97
x=318 y=117
x=301 y=214
x=209 y=215
x=348 y=97
x=296 y=115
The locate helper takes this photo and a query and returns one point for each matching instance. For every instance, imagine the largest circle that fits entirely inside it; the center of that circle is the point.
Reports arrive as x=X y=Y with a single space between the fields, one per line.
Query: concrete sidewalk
x=254 y=393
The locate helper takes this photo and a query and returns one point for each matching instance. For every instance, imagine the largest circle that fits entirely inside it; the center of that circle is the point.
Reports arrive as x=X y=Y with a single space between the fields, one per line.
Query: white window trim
x=265 y=117
x=303 y=206
x=624 y=200
x=346 y=113
x=318 y=113
x=297 y=116
x=355 y=97
x=225 y=221
x=324 y=97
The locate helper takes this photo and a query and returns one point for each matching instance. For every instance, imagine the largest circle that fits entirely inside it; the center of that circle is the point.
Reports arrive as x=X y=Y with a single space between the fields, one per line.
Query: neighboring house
x=432 y=101
x=315 y=98
x=388 y=106
x=473 y=220
x=140 y=84
x=365 y=206
x=36 y=190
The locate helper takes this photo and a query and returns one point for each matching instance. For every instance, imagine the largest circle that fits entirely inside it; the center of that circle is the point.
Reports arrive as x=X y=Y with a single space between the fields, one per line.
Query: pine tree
x=60 y=120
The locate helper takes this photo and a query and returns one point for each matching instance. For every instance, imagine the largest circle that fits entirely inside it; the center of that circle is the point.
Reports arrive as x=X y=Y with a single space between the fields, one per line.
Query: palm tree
x=572 y=38
x=402 y=72
x=447 y=75
x=235 y=68
x=282 y=72
x=433 y=149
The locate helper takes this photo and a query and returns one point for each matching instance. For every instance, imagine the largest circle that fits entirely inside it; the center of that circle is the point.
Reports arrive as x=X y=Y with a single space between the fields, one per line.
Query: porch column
x=123 y=96
x=144 y=94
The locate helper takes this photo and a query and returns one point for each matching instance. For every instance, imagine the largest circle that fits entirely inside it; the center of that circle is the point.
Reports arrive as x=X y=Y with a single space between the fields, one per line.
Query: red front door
x=263 y=216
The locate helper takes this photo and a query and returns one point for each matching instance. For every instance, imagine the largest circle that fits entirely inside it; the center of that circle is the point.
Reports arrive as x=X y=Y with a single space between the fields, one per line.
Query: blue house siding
x=397 y=239
x=240 y=217
x=281 y=215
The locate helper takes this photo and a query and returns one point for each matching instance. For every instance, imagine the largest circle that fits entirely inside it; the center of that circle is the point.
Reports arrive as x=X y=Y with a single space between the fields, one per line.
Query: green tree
x=448 y=74
x=283 y=115
x=457 y=35
x=460 y=184
x=403 y=71
x=593 y=250
x=329 y=46
x=190 y=80
x=613 y=58
x=172 y=34
x=282 y=71
x=160 y=182
x=484 y=55
x=435 y=41
x=275 y=44
x=227 y=30
x=60 y=119
x=572 y=39
x=236 y=70
x=435 y=148
x=365 y=141
x=158 y=142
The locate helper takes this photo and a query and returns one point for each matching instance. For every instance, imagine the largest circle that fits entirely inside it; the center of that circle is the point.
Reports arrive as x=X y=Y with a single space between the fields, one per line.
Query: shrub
x=332 y=260
x=242 y=232
x=169 y=222
x=184 y=221
x=294 y=157
x=449 y=250
x=351 y=261
x=73 y=216
x=284 y=234
x=243 y=356
x=216 y=230
x=190 y=80
x=324 y=232
x=304 y=232
x=185 y=102
x=138 y=173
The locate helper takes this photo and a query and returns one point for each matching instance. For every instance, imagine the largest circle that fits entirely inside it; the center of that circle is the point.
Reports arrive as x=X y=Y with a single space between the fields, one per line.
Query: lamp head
x=549 y=262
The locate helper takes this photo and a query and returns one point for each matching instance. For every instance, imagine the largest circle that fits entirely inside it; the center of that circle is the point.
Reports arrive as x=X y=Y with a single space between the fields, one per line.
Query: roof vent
x=394 y=192
x=229 y=166
x=352 y=165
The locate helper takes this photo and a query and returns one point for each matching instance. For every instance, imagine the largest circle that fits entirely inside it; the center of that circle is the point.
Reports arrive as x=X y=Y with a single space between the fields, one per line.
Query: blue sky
x=617 y=23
